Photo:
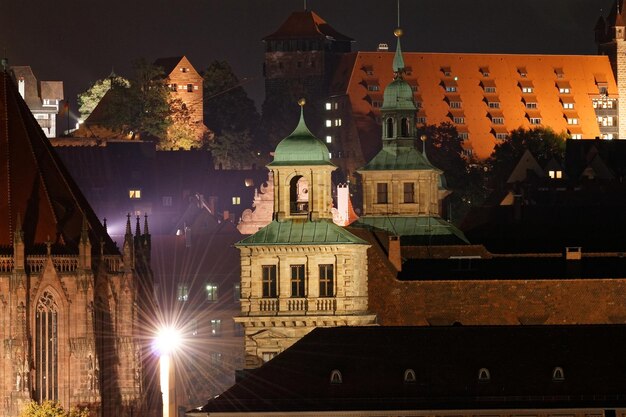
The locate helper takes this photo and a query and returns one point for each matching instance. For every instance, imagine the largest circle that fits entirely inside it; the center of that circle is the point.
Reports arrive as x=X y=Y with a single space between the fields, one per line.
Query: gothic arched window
x=404 y=127
x=299 y=195
x=46 y=349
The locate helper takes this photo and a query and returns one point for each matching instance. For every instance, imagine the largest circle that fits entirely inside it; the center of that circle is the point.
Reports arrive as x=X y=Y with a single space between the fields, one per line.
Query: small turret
x=18 y=245
x=84 y=247
x=129 y=247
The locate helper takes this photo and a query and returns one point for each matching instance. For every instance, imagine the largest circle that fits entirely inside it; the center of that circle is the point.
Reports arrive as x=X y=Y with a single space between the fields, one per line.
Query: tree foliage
x=234 y=150
x=543 y=143
x=142 y=108
x=226 y=104
x=51 y=409
x=182 y=132
x=89 y=99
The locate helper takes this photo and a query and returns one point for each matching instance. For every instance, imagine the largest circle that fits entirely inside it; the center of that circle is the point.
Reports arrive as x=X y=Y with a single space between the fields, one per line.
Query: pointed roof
x=398 y=59
x=306 y=24
x=301 y=147
x=35 y=185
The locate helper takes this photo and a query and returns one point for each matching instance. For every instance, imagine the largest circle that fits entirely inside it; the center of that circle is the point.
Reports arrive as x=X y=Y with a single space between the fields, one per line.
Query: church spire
x=398 y=59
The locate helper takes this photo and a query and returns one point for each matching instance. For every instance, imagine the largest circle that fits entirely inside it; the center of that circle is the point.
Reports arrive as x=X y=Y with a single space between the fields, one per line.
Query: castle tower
x=300 y=61
x=402 y=190
x=611 y=38
x=301 y=271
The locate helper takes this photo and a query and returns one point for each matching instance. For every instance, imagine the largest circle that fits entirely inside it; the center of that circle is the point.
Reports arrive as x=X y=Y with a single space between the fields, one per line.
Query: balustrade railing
x=297 y=304
x=268 y=304
x=326 y=304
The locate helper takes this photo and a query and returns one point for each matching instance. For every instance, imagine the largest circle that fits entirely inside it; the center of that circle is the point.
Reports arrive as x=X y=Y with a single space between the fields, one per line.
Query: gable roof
x=35 y=185
x=306 y=24
x=521 y=361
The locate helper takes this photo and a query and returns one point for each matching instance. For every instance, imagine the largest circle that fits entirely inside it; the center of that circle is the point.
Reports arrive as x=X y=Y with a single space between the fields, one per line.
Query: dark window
x=381 y=193
x=46 y=350
x=173 y=87
x=211 y=291
x=404 y=126
x=269 y=281
x=409 y=192
x=389 y=127
x=327 y=281
x=189 y=88
x=297 y=280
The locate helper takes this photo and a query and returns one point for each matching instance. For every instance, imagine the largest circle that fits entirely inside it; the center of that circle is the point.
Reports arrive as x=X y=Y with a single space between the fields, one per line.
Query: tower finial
x=145 y=224
x=423 y=138
x=398 y=13
x=137 y=228
x=398 y=59
x=128 y=229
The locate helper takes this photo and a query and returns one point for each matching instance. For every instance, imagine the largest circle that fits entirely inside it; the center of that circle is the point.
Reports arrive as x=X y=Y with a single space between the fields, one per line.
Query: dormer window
x=484 y=375
x=557 y=374
x=447 y=71
x=335 y=377
x=522 y=72
x=409 y=376
x=485 y=71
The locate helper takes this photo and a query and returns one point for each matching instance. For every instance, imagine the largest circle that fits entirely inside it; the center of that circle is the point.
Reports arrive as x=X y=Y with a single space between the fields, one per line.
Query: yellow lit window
x=236 y=200
x=134 y=194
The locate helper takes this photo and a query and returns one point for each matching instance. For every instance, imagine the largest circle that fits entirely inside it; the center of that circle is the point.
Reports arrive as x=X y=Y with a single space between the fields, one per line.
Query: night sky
x=79 y=41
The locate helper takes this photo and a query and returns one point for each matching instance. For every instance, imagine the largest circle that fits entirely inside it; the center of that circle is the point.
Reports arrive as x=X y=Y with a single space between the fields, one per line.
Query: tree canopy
x=543 y=142
x=50 y=409
x=226 y=103
x=89 y=99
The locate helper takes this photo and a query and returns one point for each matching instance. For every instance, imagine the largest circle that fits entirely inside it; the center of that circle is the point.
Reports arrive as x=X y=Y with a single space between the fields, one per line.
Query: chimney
x=395 y=253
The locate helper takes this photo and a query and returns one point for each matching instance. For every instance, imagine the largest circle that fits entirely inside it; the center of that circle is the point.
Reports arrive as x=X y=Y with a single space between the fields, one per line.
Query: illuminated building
x=72 y=303
x=300 y=271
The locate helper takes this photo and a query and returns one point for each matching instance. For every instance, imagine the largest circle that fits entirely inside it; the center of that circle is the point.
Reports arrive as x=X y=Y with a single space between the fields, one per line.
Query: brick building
x=73 y=304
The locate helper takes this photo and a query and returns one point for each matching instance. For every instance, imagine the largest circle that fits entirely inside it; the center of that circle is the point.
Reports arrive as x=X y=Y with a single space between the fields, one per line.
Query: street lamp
x=167 y=341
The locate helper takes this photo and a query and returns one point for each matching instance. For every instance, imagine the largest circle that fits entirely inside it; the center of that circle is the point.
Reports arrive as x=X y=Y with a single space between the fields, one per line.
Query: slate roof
x=397 y=159
x=306 y=24
x=301 y=232
x=35 y=185
x=521 y=361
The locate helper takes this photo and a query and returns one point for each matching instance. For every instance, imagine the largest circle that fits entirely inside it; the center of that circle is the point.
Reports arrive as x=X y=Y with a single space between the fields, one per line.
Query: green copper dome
x=301 y=147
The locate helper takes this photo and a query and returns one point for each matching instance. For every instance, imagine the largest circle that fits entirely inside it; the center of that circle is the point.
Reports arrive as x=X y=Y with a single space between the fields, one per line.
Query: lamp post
x=167 y=341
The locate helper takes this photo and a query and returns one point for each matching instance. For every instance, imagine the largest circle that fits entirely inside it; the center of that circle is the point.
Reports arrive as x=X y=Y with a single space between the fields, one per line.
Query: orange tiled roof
x=36 y=190
x=478 y=79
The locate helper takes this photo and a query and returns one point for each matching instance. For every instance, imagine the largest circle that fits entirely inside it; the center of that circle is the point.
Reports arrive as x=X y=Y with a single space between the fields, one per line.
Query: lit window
x=236 y=201
x=420 y=120
x=450 y=89
x=329 y=139
x=558 y=374
x=381 y=193
x=458 y=120
x=134 y=194
x=577 y=136
x=216 y=358
x=409 y=192
x=527 y=90
x=564 y=90
x=335 y=105
x=329 y=106
x=568 y=106
x=484 y=375
x=183 y=69
x=463 y=135
x=297 y=281
x=572 y=121
x=182 y=292
x=497 y=120
x=501 y=136
x=555 y=174
x=268 y=356
x=216 y=328
x=337 y=122
x=269 y=281
x=211 y=292
x=455 y=104
x=329 y=123
x=167 y=201
x=327 y=287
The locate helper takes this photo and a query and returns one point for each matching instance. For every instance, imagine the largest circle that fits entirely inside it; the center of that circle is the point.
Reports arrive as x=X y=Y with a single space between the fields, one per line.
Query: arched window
x=557 y=374
x=484 y=375
x=335 y=377
x=404 y=127
x=46 y=349
x=389 y=126
x=409 y=375
x=298 y=195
